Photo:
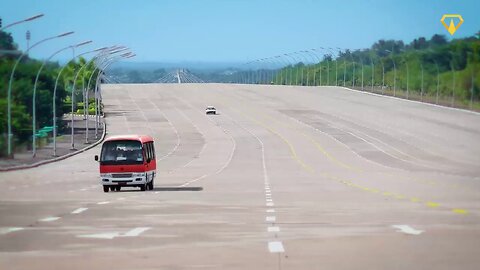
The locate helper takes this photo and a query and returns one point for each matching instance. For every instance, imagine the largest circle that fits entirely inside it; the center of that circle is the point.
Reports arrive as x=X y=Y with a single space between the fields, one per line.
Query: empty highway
x=282 y=177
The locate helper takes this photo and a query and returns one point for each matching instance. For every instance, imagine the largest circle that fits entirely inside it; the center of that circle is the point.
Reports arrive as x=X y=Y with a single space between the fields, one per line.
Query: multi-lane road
x=283 y=177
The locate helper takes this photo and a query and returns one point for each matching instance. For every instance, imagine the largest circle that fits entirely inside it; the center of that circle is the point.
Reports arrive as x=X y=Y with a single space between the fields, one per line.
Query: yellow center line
x=337 y=162
x=293 y=152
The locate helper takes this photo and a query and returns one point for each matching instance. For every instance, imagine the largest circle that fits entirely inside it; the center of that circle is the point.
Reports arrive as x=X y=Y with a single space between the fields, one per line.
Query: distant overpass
x=180 y=76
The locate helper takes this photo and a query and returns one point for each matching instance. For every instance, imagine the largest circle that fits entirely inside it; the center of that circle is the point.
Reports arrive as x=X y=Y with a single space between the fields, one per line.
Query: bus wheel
x=118 y=188
x=143 y=187
x=105 y=188
x=150 y=185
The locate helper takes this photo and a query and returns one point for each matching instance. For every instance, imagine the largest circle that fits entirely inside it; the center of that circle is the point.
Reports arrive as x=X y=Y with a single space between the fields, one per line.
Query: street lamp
x=373 y=71
x=453 y=79
x=9 y=92
x=22 y=21
x=312 y=65
x=328 y=67
x=280 y=68
x=102 y=53
x=394 y=72
x=97 y=67
x=319 y=63
x=310 y=52
x=292 y=64
x=336 y=64
x=361 y=62
x=408 y=76
x=34 y=118
x=55 y=96
x=98 y=93
x=345 y=68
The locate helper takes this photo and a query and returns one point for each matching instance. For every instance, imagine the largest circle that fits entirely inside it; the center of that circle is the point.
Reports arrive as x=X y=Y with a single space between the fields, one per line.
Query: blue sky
x=231 y=30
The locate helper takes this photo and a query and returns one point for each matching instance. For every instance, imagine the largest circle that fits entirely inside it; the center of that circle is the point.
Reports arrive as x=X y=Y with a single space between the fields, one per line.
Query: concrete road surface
x=282 y=178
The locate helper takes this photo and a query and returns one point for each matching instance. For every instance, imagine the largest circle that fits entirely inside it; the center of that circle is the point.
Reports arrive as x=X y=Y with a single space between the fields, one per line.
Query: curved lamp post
x=408 y=75
x=394 y=73
x=314 y=60
x=294 y=61
x=9 y=92
x=102 y=53
x=55 y=96
x=98 y=93
x=319 y=63
x=373 y=70
x=328 y=68
x=333 y=52
x=318 y=60
x=97 y=67
x=22 y=21
x=304 y=60
x=34 y=118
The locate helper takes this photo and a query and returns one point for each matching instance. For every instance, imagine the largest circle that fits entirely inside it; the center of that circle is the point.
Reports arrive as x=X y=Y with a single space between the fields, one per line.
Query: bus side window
x=145 y=150
x=153 y=150
x=149 y=151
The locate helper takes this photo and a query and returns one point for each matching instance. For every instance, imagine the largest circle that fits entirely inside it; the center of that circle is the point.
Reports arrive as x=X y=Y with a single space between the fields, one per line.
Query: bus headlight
x=138 y=174
x=107 y=175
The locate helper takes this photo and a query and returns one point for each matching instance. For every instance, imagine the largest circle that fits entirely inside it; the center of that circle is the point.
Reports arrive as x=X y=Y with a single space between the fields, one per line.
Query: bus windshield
x=121 y=152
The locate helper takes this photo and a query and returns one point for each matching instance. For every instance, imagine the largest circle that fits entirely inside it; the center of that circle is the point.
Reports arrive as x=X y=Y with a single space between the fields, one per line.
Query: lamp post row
x=285 y=60
x=103 y=53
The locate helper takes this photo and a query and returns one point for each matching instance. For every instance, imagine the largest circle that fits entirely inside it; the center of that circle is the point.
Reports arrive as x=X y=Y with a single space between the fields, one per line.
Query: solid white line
x=136 y=232
x=408 y=100
x=174 y=130
x=270 y=219
x=275 y=247
x=273 y=229
x=79 y=210
x=270 y=211
x=10 y=230
x=234 y=147
x=105 y=202
x=49 y=219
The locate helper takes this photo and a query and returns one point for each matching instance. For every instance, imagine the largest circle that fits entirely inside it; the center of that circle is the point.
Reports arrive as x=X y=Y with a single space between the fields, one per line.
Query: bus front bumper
x=134 y=180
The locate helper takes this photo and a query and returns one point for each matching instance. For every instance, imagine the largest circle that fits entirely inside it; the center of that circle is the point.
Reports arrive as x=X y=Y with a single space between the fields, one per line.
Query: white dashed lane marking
x=79 y=210
x=49 y=219
x=275 y=247
x=110 y=235
x=270 y=219
x=136 y=231
x=407 y=229
x=273 y=229
x=106 y=202
x=10 y=230
x=270 y=211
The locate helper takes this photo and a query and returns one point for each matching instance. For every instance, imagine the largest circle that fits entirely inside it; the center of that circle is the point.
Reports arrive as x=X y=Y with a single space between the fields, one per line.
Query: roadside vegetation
x=22 y=92
x=451 y=70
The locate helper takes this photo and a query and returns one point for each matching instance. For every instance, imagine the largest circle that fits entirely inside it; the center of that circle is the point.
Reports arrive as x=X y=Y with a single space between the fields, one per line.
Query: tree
x=438 y=40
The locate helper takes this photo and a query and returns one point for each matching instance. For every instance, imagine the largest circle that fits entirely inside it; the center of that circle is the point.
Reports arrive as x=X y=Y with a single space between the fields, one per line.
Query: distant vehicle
x=127 y=161
x=210 y=110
